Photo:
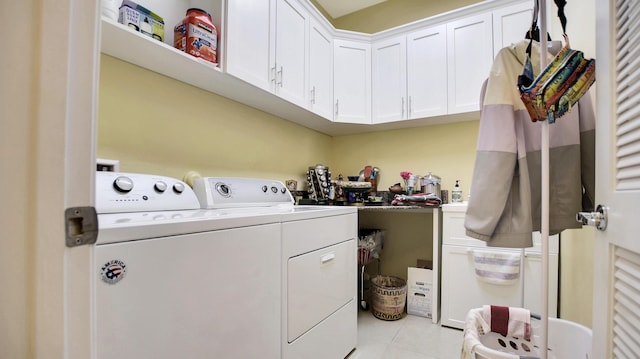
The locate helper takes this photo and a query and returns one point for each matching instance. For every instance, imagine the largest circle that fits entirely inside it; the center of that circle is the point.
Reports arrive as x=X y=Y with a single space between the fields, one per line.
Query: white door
x=389 y=78
x=470 y=54
x=427 y=72
x=291 y=40
x=616 y=318
x=320 y=70
x=352 y=81
x=250 y=42
x=47 y=145
x=510 y=24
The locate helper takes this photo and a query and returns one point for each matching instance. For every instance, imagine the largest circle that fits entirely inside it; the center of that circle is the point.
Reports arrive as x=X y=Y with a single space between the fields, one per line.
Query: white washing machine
x=174 y=280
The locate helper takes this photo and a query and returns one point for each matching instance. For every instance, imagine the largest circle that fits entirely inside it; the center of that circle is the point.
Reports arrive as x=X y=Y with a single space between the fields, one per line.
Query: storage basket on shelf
x=567 y=340
x=389 y=297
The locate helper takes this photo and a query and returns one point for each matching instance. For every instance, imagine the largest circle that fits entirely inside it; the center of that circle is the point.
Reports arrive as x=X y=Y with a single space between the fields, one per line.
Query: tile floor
x=411 y=337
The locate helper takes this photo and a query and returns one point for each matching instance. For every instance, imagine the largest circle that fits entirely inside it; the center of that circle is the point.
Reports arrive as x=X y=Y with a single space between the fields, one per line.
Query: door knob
x=597 y=219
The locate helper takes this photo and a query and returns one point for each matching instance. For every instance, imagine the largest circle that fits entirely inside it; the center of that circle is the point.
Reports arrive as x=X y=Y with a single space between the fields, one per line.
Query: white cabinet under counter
x=462 y=289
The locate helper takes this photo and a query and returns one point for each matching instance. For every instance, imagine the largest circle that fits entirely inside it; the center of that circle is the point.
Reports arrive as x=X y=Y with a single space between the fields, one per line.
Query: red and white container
x=197 y=35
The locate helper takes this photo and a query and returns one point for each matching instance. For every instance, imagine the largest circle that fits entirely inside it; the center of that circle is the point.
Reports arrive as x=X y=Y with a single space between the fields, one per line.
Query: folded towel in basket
x=508 y=321
x=497 y=267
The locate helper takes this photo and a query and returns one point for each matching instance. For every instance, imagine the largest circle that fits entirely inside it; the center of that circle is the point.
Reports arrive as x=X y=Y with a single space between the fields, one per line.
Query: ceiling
x=337 y=8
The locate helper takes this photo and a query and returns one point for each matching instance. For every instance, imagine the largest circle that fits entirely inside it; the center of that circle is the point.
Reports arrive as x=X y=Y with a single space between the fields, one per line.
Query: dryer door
x=319 y=283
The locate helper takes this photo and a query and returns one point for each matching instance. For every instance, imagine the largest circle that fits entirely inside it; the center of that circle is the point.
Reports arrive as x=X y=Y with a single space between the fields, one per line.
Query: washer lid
x=122 y=227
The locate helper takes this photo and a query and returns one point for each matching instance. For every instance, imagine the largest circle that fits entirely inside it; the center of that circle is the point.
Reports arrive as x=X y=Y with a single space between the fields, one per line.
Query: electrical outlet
x=107 y=165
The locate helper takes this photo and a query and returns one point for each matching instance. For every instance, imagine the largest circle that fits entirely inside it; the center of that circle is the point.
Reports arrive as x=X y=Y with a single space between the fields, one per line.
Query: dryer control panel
x=118 y=192
x=230 y=192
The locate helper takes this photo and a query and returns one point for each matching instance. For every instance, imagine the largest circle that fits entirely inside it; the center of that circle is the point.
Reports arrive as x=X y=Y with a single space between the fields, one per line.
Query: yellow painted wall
x=154 y=124
x=448 y=151
x=392 y=13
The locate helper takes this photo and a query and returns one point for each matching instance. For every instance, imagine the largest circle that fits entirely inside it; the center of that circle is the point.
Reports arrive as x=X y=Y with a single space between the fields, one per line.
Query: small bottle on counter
x=456 y=193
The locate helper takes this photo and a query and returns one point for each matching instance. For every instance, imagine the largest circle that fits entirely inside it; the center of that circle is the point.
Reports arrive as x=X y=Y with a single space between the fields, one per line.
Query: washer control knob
x=123 y=184
x=178 y=188
x=283 y=190
x=274 y=189
x=223 y=189
x=265 y=189
x=160 y=186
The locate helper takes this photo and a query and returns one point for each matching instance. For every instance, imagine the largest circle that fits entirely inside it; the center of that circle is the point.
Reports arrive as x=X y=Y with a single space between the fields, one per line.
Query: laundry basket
x=566 y=340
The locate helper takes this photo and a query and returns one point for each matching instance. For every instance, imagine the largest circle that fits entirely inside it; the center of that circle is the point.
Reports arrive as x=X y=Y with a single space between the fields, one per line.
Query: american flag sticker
x=113 y=271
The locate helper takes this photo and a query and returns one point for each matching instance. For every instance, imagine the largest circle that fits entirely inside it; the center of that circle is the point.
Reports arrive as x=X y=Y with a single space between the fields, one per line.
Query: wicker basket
x=389 y=295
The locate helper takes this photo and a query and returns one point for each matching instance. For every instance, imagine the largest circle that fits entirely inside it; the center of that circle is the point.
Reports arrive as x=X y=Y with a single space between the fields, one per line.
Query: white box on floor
x=419 y=291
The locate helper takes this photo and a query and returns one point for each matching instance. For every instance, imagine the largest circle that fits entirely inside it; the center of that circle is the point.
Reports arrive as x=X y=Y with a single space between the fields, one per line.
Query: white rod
x=544 y=164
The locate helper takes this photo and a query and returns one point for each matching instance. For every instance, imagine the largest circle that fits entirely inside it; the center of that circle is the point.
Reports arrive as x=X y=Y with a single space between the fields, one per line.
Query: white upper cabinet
x=389 y=77
x=427 y=72
x=320 y=84
x=292 y=24
x=266 y=46
x=352 y=81
x=510 y=24
x=281 y=57
x=249 y=44
x=410 y=76
x=470 y=55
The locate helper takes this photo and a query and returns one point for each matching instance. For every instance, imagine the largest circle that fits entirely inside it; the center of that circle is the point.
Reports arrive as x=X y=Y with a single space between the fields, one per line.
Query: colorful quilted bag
x=560 y=85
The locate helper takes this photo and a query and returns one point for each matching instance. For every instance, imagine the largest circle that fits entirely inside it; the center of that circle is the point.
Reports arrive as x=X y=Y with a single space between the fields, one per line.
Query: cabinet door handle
x=402 y=109
x=313 y=95
x=327 y=257
x=410 y=109
x=337 y=108
x=273 y=74
x=280 y=72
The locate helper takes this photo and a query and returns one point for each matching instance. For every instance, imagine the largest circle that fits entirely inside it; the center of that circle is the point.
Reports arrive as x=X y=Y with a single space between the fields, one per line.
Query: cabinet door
x=352 y=81
x=533 y=283
x=320 y=71
x=462 y=291
x=470 y=55
x=389 y=77
x=249 y=44
x=427 y=72
x=510 y=25
x=291 y=51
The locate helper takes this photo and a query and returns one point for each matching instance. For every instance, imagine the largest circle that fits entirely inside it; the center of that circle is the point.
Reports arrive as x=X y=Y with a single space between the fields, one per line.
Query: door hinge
x=81 y=226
